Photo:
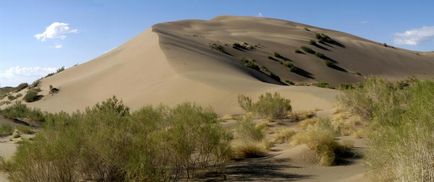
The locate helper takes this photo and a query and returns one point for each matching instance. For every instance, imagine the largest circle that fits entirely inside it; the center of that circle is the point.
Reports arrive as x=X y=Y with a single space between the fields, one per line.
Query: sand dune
x=141 y=73
x=173 y=62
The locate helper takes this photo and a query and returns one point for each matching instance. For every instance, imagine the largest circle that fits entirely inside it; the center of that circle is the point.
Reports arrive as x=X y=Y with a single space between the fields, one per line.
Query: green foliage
x=60 y=69
x=6 y=130
x=245 y=103
x=402 y=126
x=308 y=50
x=320 y=137
x=21 y=87
x=246 y=130
x=20 y=111
x=32 y=95
x=219 y=48
x=269 y=105
x=326 y=39
x=298 y=51
x=108 y=143
x=323 y=85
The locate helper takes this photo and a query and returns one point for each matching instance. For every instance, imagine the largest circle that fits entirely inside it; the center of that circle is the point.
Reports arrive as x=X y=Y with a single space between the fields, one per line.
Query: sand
x=141 y=73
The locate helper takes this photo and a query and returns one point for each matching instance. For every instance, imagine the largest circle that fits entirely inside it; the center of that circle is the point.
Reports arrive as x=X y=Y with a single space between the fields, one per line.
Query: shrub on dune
x=320 y=137
x=401 y=128
x=268 y=105
x=109 y=143
x=249 y=140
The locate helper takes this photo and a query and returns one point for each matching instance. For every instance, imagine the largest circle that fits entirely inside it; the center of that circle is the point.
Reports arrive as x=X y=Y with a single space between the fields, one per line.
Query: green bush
x=269 y=105
x=6 y=130
x=20 y=111
x=108 y=143
x=21 y=87
x=308 y=50
x=298 y=51
x=32 y=95
x=401 y=128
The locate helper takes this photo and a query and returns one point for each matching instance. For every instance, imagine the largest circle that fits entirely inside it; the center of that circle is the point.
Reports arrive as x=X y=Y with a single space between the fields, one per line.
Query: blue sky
x=83 y=29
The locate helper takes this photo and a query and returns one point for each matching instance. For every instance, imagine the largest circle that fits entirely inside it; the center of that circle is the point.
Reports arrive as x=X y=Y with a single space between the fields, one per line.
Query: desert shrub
x=248 y=131
x=21 y=87
x=332 y=65
x=242 y=46
x=308 y=50
x=5 y=102
x=249 y=140
x=284 y=135
x=219 y=48
x=325 y=38
x=18 y=95
x=245 y=103
x=298 y=51
x=32 y=95
x=6 y=130
x=11 y=97
x=277 y=55
x=323 y=85
x=268 y=105
x=401 y=127
x=250 y=63
x=19 y=110
x=35 y=84
x=60 y=69
x=272 y=106
x=108 y=143
x=320 y=137
x=371 y=95
x=25 y=129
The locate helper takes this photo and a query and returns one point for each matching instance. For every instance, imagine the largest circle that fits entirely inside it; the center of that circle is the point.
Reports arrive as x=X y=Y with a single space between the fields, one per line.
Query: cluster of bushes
x=109 y=143
x=401 y=127
x=324 y=39
x=20 y=111
x=219 y=48
x=243 y=46
x=269 y=105
x=251 y=63
x=308 y=50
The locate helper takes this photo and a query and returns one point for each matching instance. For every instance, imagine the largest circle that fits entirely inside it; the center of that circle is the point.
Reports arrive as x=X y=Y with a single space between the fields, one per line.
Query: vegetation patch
x=308 y=50
x=6 y=130
x=269 y=105
x=20 y=111
x=219 y=48
x=401 y=127
x=107 y=142
x=325 y=38
x=243 y=46
x=32 y=95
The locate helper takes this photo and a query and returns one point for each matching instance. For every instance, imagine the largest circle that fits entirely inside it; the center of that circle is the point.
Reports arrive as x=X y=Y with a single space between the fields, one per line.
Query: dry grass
x=249 y=139
x=283 y=135
x=320 y=137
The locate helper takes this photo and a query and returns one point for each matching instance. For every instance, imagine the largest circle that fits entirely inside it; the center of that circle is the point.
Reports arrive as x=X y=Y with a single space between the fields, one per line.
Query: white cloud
x=58 y=46
x=57 y=30
x=16 y=75
x=414 y=36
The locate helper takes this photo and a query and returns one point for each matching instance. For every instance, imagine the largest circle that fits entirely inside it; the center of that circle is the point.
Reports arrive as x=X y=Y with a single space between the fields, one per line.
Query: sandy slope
x=141 y=73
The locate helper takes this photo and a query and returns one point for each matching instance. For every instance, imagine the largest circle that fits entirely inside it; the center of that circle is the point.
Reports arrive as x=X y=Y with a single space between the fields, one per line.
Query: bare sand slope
x=140 y=73
x=349 y=57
